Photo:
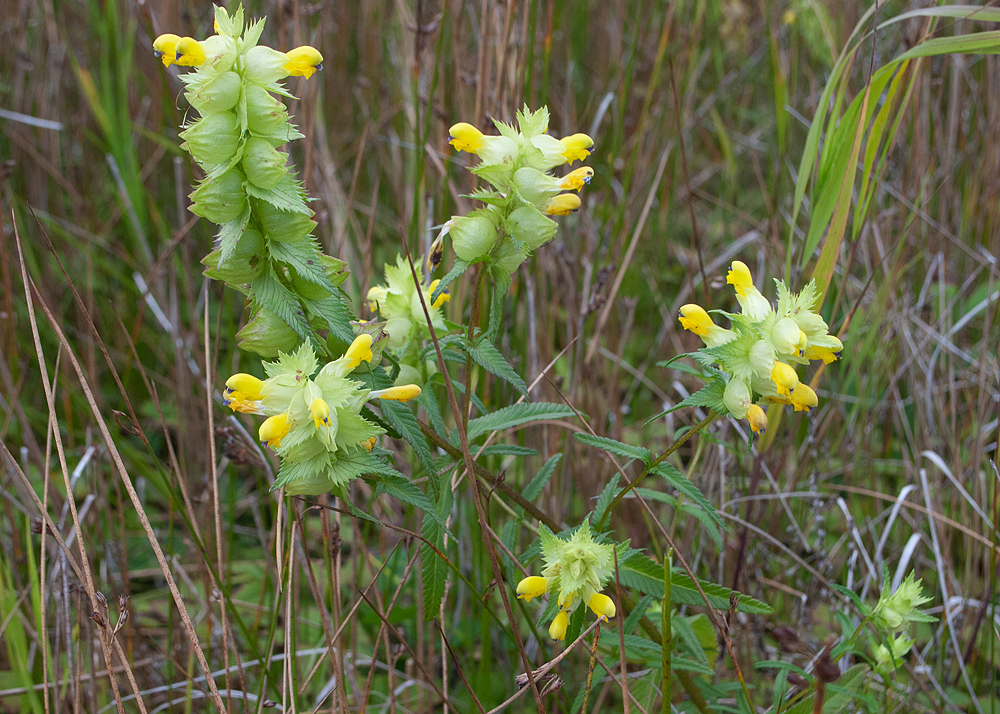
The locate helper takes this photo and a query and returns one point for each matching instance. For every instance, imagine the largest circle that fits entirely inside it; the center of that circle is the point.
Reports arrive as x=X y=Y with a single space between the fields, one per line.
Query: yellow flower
x=465 y=137
x=530 y=587
x=442 y=298
x=739 y=277
x=274 y=429
x=303 y=61
x=403 y=393
x=563 y=204
x=577 y=147
x=557 y=630
x=165 y=48
x=757 y=419
x=243 y=394
x=369 y=444
x=359 y=351
x=577 y=179
x=784 y=378
x=825 y=353
x=694 y=319
x=803 y=397
x=190 y=52
x=602 y=606
x=320 y=412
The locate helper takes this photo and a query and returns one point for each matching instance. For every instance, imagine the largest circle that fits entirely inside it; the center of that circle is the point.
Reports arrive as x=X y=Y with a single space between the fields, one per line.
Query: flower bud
x=472 y=236
x=403 y=393
x=527 y=225
x=267 y=335
x=222 y=198
x=216 y=95
x=265 y=66
x=283 y=226
x=263 y=164
x=265 y=113
x=213 y=139
x=507 y=258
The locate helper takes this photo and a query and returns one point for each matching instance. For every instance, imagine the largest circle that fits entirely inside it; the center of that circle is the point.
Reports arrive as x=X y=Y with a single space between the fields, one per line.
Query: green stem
x=666 y=634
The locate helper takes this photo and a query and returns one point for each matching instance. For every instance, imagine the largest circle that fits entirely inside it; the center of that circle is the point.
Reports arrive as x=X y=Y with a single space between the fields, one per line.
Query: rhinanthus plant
x=265 y=244
x=894 y=611
x=517 y=164
x=313 y=419
x=754 y=362
x=575 y=571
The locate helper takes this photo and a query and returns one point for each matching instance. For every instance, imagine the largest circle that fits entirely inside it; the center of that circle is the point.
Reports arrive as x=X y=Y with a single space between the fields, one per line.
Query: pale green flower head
x=398 y=302
x=889 y=659
x=576 y=568
x=895 y=611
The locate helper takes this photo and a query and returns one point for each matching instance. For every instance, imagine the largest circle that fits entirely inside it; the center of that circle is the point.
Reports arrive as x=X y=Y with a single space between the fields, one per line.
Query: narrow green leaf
x=679 y=481
x=517 y=415
x=626 y=451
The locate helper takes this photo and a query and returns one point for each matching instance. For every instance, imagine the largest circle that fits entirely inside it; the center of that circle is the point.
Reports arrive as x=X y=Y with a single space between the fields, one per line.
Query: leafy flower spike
x=894 y=611
x=755 y=360
x=575 y=571
x=314 y=422
x=517 y=164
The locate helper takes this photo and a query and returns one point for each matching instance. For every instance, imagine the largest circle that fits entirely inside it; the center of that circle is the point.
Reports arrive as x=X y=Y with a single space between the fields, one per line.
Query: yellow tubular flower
x=530 y=587
x=827 y=354
x=403 y=393
x=465 y=137
x=695 y=319
x=784 y=378
x=165 y=48
x=803 y=397
x=303 y=61
x=739 y=277
x=563 y=204
x=359 y=351
x=757 y=419
x=246 y=383
x=273 y=430
x=602 y=606
x=369 y=444
x=803 y=342
x=577 y=179
x=320 y=412
x=442 y=298
x=578 y=147
x=190 y=52
x=557 y=630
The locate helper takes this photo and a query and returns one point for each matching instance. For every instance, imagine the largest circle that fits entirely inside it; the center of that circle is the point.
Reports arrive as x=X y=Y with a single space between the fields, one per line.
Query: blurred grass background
x=700 y=111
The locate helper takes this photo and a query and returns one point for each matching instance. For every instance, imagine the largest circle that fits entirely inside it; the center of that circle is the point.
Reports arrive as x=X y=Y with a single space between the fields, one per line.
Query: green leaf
x=230 y=234
x=646 y=576
x=459 y=267
x=709 y=396
x=508 y=450
x=270 y=293
x=333 y=312
x=534 y=488
x=489 y=358
x=304 y=258
x=407 y=492
x=517 y=415
x=501 y=283
x=403 y=421
x=286 y=196
x=679 y=481
x=608 y=494
x=626 y=451
x=433 y=569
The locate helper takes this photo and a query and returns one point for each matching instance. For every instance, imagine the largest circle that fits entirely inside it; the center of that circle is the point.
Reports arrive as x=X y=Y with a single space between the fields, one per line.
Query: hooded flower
x=575 y=571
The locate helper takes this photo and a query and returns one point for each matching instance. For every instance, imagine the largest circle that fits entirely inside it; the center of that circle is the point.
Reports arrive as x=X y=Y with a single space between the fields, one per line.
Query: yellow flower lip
x=359 y=351
x=243 y=394
x=274 y=429
x=189 y=52
x=465 y=137
x=303 y=61
x=246 y=383
x=563 y=204
x=402 y=393
x=557 y=630
x=757 y=419
x=578 y=178
x=784 y=377
x=695 y=319
x=165 y=48
x=532 y=586
x=602 y=606
x=803 y=397
x=578 y=147
x=739 y=277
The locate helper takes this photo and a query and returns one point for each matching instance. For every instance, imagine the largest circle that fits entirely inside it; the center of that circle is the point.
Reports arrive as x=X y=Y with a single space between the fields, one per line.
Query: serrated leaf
x=676 y=479
x=333 y=312
x=489 y=358
x=646 y=576
x=271 y=294
x=608 y=494
x=403 y=421
x=517 y=415
x=304 y=258
x=407 y=492
x=457 y=268
x=286 y=196
x=507 y=450
x=501 y=283
x=534 y=488
x=229 y=236
x=626 y=451
x=433 y=570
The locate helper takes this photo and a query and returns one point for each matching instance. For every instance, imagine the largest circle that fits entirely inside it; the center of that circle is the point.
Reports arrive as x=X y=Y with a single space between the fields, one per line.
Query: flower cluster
x=576 y=570
x=517 y=164
x=894 y=611
x=398 y=303
x=759 y=354
x=313 y=421
x=265 y=238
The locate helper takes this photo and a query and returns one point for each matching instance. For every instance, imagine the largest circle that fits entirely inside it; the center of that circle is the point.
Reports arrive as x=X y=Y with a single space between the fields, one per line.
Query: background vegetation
x=701 y=112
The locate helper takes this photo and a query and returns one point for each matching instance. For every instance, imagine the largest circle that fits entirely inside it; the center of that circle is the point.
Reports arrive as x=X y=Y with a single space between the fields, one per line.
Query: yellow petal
x=577 y=179
x=273 y=430
x=402 y=393
x=803 y=397
x=190 y=52
x=165 y=48
x=557 y=630
x=695 y=319
x=303 y=61
x=602 y=606
x=739 y=277
x=465 y=137
x=784 y=378
x=442 y=298
x=577 y=146
x=369 y=444
x=563 y=204
x=757 y=419
x=359 y=351
x=246 y=383
x=532 y=586
x=320 y=412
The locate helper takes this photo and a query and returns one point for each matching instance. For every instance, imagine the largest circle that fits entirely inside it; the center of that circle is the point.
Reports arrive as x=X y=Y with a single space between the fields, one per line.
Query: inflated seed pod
x=213 y=139
x=507 y=258
x=216 y=95
x=267 y=335
x=263 y=165
x=529 y=225
x=265 y=113
x=307 y=289
x=221 y=199
x=283 y=226
x=246 y=262
x=534 y=186
x=473 y=236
